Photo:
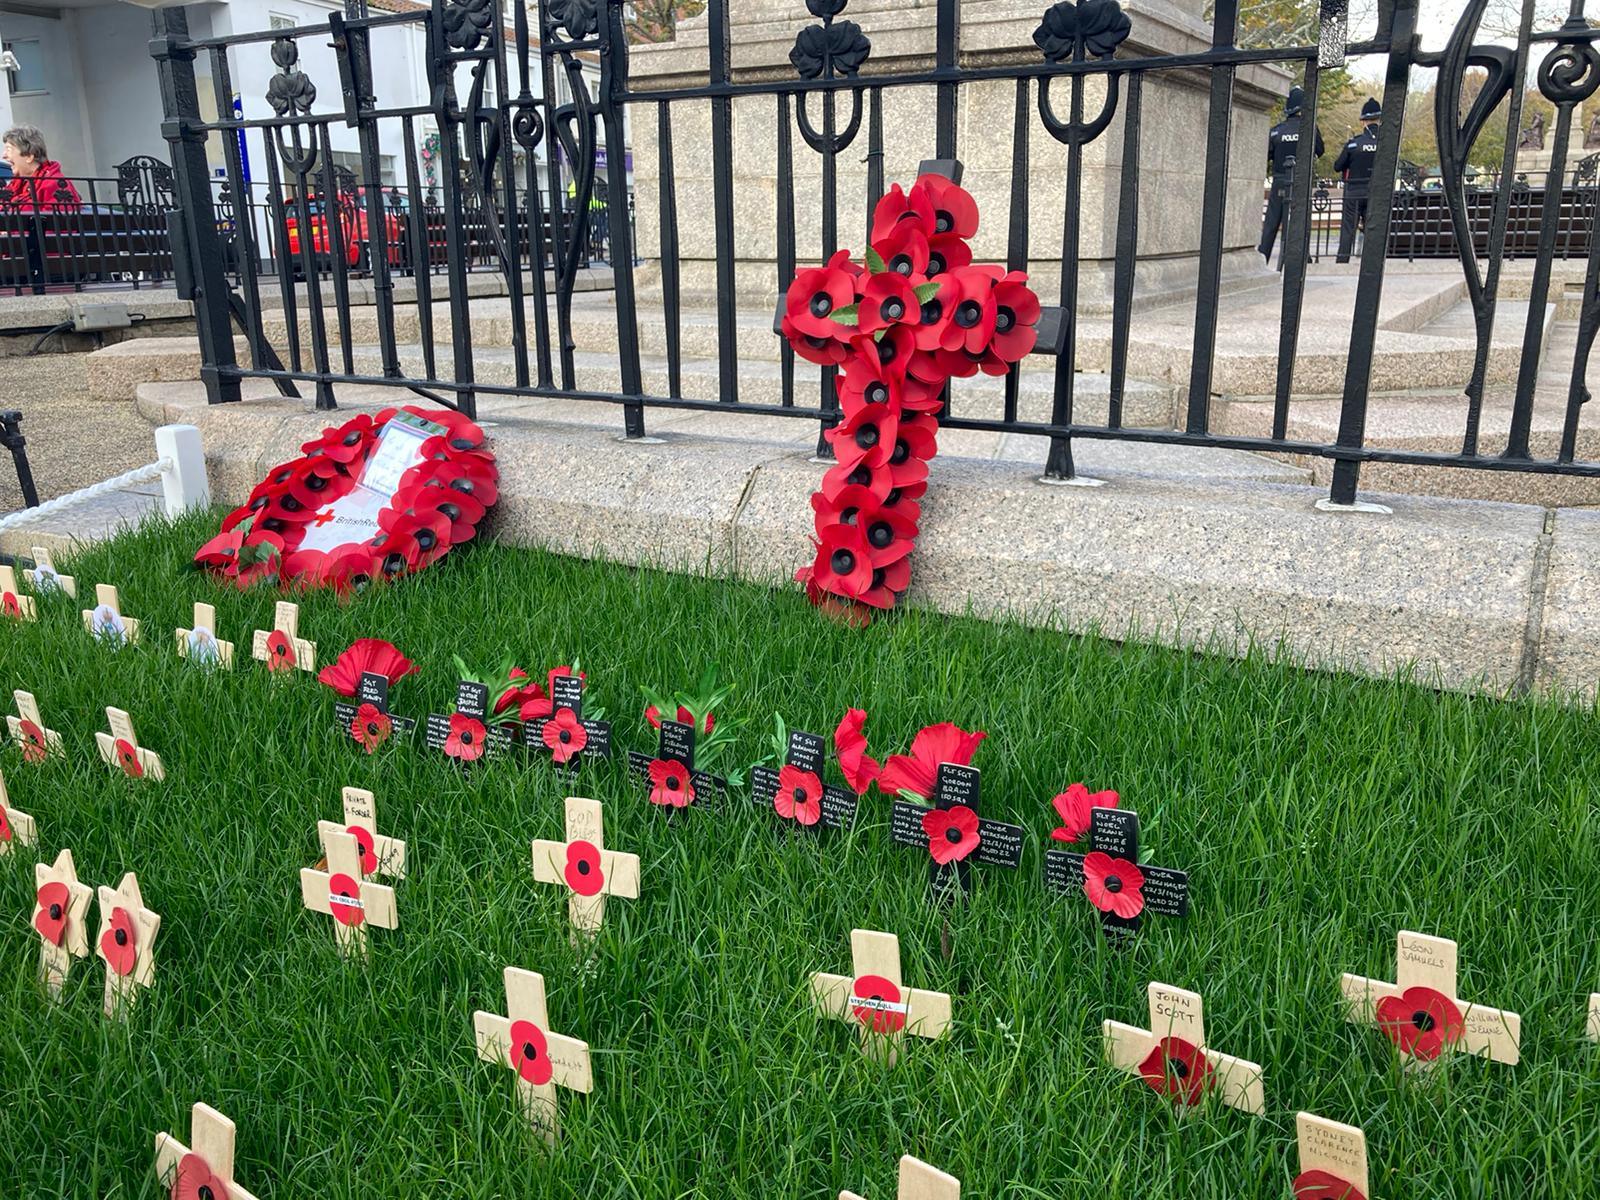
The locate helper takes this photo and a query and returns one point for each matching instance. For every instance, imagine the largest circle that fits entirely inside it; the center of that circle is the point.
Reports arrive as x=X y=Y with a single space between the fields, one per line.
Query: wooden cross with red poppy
x=339 y=891
x=281 y=647
x=44 y=577
x=59 y=907
x=16 y=827
x=200 y=643
x=105 y=621
x=126 y=944
x=1333 y=1160
x=120 y=749
x=953 y=834
x=1110 y=874
x=585 y=867
x=876 y=998
x=674 y=782
x=1173 y=1058
x=465 y=735
x=27 y=729
x=796 y=790
x=368 y=720
x=205 y=1172
x=919 y=1181
x=543 y=1061
x=380 y=854
x=13 y=603
x=565 y=732
x=1420 y=1012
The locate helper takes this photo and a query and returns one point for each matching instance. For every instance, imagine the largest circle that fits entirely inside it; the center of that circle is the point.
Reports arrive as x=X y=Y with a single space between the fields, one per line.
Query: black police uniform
x=1283 y=147
x=1355 y=163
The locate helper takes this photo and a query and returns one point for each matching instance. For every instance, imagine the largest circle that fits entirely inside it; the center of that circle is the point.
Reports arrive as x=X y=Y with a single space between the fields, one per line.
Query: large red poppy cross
x=340 y=891
x=13 y=602
x=105 y=621
x=27 y=729
x=878 y=1000
x=543 y=1061
x=121 y=749
x=200 y=643
x=207 y=1169
x=1333 y=1160
x=16 y=827
x=953 y=834
x=1420 y=1011
x=126 y=944
x=60 y=905
x=46 y=579
x=585 y=867
x=281 y=647
x=1173 y=1058
x=919 y=1181
x=1121 y=887
x=380 y=853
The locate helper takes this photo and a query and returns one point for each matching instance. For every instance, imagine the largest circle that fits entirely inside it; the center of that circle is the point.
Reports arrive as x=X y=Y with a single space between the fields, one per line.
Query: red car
x=353 y=231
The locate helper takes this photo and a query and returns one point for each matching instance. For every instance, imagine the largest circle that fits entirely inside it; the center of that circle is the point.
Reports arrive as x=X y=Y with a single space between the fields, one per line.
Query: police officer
x=1283 y=147
x=1355 y=163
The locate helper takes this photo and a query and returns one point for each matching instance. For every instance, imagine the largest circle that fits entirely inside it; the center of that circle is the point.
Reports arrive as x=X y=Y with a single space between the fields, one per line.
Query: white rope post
x=183 y=477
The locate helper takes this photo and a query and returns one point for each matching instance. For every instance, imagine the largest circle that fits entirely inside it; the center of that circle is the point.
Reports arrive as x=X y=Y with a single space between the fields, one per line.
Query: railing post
x=180 y=103
x=11 y=439
x=613 y=79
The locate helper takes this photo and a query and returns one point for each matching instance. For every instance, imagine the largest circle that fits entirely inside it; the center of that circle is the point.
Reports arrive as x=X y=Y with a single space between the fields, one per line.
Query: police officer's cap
x=1371 y=110
x=1291 y=106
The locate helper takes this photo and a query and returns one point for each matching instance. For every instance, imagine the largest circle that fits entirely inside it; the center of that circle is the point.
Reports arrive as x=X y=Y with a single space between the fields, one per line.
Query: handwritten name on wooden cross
x=336 y=888
x=1173 y=1058
x=13 y=603
x=1420 y=1011
x=566 y=732
x=281 y=647
x=585 y=867
x=380 y=854
x=466 y=735
x=16 y=827
x=207 y=1169
x=200 y=643
x=1109 y=873
x=953 y=834
x=919 y=1181
x=105 y=621
x=1333 y=1160
x=44 y=577
x=796 y=791
x=876 y=997
x=543 y=1061
x=671 y=775
x=60 y=905
x=126 y=944
x=121 y=749
x=28 y=730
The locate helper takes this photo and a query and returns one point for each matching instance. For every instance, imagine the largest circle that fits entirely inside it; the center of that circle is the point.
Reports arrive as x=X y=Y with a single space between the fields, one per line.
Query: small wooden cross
x=44 y=577
x=1113 y=878
x=380 y=854
x=670 y=776
x=952 y=834
x=797 y=791
x=127 y=944
x=27 y=729
x=206 y=1170
x=1594 y=1016
x=585 y=867
x=16 y=827
x=1333 y=1159
x=200 y=644
x=878 y=1000
x=120 y=748
x=1173 y=1058
x=466 y=735
x=340 y=892
x=281 y=647
x=60 y=905
x=542 y=1060
x=13 y=603
x=919 y=1181
x=1420 y=1011
x=105 y=621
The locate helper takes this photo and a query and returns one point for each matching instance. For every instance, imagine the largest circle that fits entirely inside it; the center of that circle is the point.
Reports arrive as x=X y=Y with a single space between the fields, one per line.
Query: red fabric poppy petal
x=530 y=1053
x=53 y=902
x=1324 y=1185
x=117 y=943
x=344 y=899
x=583 y=871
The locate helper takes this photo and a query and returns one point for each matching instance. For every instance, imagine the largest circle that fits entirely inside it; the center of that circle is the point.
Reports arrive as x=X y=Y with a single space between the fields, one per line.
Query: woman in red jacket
x=37 y=183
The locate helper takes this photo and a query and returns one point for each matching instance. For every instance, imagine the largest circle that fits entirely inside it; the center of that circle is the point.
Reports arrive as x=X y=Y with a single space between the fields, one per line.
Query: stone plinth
x=993 y=32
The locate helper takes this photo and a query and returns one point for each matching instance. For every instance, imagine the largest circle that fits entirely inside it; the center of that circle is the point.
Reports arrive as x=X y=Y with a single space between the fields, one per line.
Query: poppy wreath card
x=796 y=789
x=467 y=735
x=364 y=673
x=1107 y=871
x=381 y=496
x=894 y=331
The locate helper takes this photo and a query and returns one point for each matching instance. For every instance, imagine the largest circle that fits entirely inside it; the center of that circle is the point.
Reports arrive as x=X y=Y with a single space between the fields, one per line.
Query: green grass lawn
x=1317 y=814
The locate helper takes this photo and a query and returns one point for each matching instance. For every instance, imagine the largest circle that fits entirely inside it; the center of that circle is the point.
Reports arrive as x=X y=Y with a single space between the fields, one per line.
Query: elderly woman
x=36 y=182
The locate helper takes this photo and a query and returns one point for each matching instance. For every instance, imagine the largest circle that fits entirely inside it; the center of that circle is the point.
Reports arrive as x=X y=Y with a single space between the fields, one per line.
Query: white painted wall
x=120 y=91
x=57 y=109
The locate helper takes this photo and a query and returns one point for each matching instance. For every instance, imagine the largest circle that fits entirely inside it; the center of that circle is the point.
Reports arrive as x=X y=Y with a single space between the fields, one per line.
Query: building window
x=27 y=77
x=279 y=21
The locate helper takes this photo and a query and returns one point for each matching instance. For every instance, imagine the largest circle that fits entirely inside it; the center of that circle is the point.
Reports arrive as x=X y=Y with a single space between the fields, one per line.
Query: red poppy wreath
x=378 y=497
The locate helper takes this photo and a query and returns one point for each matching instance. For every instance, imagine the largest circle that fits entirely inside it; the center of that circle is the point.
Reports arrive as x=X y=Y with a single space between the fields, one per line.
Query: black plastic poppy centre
x=290 y=504
x=466 y=737
x=1004 y=319
x=800 y=796
x=816 y=343
x=932 y=310
x=1179 y=1067
x=205 y=1193
x=901 y=452
x=122 y=937
x=55 y=912
x=372 y=729
x=427 y=539
x=843 y=562
x=880 y=535
x=461 y=443
x=1113 y=883
x=583 y=866
x=849 y=515
x=901 y=264
x=877 y=392
x=893 y=497
x=877 y=577
x=952 y=835
x=316 y=483
x=353 y=438
x=394 y=563
x=462 y=485
x=529 y=1050
x=821 y=304
x=936 y=264
x=867 y=437
x=674 y=783
x=943 y=222
x=968 y=313
x=861 y=476
x=565 y=735
x=892 y=309
x=887 y=350
x=450 y=511
x=1423 y=1021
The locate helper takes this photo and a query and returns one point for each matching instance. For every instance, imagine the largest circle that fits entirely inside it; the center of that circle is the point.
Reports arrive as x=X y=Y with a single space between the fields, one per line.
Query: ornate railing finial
x=1088 y=29
x=290 y=91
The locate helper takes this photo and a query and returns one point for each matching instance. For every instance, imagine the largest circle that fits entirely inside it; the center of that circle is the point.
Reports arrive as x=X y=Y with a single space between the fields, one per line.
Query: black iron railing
x=837 y=110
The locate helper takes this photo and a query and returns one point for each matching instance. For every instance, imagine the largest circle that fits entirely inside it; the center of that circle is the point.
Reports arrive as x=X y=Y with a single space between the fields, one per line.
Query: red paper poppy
x=972 y=313
x=583 y=873
x=516 y=691
x=12 y=607
x=898 y=205
x=53 y=902
x=904 y=250
x=1178 y=1069
x=946 y=253
x=867 y=382
x=818 y=292
x=365 y=656
x=280 y=651
x=916 y=774
x=5 y=825
x=1113 y=885
x=565 y=735
x=1324 y=1185
x=799 y=795
x=954 y=210
x=937 y=311
x=1016 y=317
x=117 y=943
x=890 y=532
x=653 y=715
x=670 y=784
x=344 y=443
x=428 y=528
x=952 y=833
x=876 y=1003
x=319 y=485
x=824 y=351
x=468 y=738
x=888 y=299
x=1421 y=1021
x=1075 y=808
x=370 y=727
x=850 y=742
x=128 y=759
x=344 y=899
x=470 y=481
x=35 y=749
x=530 y=1052
x=368 y=847
x=844 y=562
x=195 y=1181
x=537 y=702
x=221 y=551
x=866 y=436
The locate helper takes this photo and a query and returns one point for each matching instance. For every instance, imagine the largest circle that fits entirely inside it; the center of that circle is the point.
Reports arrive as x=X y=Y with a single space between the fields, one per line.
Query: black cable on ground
x=46 y=336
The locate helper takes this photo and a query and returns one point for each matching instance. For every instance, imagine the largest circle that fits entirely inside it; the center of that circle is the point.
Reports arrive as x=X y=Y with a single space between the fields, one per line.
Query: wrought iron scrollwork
x=830 y=50
x=1571 y=72
x=1081 y=32
x=290 y=92
x=580 y=18
x=467 y=23
x=144 y=184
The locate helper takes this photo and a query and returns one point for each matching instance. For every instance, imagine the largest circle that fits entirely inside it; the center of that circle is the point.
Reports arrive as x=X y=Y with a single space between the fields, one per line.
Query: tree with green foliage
x=657 y=20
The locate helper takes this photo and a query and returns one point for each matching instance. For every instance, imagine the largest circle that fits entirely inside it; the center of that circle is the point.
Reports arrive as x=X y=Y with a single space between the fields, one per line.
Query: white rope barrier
x=181 y=468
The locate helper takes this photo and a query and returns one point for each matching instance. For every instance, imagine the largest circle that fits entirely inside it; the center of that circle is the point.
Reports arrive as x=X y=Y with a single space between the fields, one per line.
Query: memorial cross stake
x=878 y=1000
x=1333 y=1160
x=919 y=1181
x=281 y=647
x=1173 y=1058
x=105 y=620
x=566 y=732
x=466 y=734
x=335 y=888
x=13 y=603
x=797 y=791
x=380 y=854
x=371 y=729
x=671 y=775
x=44 y=577
x=60 y=905
x=27 y=729
x=16 y=827
x=200 y=644
x=120 y=748
x=207 y=1169
x=543 y=1061
x=126 y=943
x=953 y=834
x=585 y=867
x=1111 y=875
